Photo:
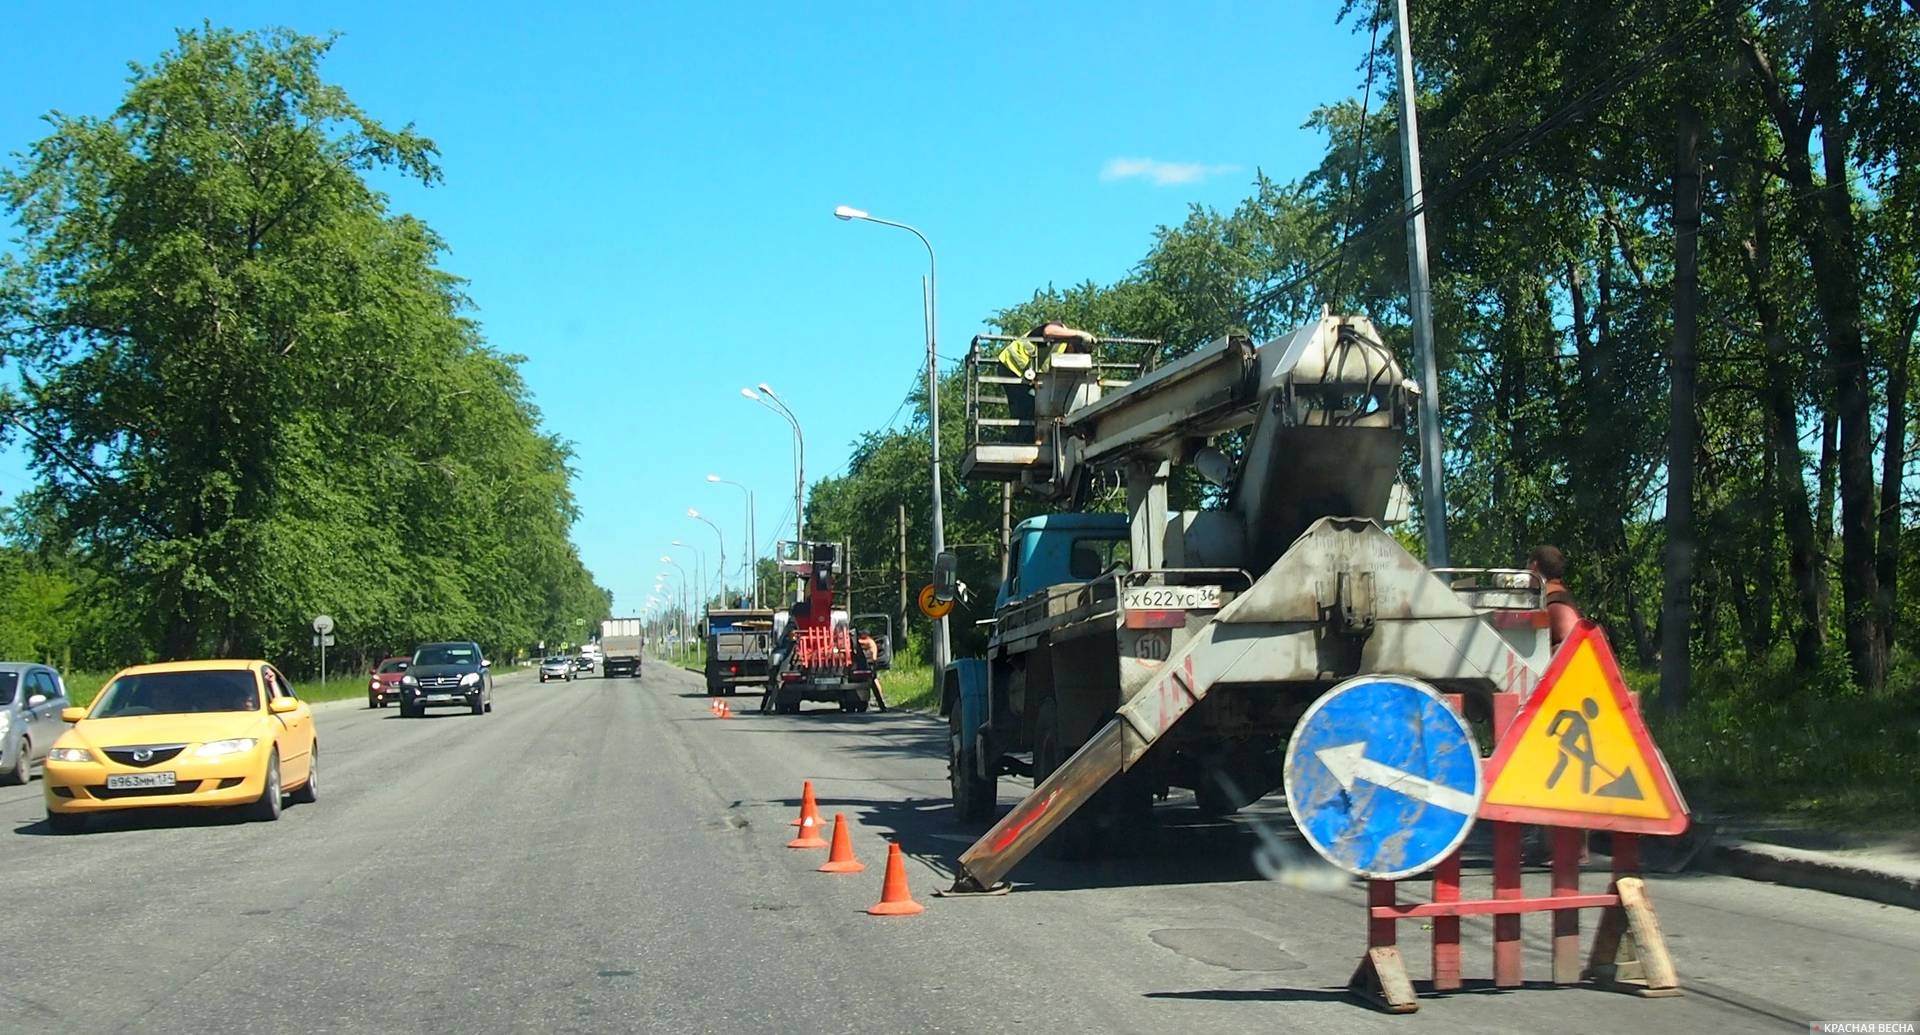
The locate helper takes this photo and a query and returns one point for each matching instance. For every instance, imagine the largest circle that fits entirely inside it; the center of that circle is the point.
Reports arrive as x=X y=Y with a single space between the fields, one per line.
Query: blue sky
x=641 y=195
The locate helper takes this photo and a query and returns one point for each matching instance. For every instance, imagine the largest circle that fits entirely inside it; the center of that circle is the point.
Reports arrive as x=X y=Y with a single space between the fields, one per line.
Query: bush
x=1761 y=738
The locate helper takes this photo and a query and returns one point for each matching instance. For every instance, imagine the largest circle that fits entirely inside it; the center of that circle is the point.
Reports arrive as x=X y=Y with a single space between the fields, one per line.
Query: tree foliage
x=251 y=394
x=1550 y=162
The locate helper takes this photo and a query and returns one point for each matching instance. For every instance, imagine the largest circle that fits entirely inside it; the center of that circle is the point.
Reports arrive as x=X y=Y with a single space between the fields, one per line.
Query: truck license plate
x=1169 y=598
x=133 y=781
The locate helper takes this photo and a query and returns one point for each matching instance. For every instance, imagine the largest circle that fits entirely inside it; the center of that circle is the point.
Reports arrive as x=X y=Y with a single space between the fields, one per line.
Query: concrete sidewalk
x=1882 y=867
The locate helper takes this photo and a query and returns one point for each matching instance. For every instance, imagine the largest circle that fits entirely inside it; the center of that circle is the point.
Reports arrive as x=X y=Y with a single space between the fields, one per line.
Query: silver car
x=556 y=667
x=31 y=696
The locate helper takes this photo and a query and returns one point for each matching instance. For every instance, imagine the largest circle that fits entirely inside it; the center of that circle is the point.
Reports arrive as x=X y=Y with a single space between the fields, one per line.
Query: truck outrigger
x=1132 y=653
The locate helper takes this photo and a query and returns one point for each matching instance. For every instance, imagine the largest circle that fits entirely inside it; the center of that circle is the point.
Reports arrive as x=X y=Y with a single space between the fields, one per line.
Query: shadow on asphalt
x=1258 y=995
x=1178 y=847
x=1424 y=989
x=156 y=818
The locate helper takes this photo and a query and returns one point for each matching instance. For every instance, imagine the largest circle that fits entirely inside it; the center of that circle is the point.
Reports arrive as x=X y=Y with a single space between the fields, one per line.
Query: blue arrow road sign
x=1382 y=777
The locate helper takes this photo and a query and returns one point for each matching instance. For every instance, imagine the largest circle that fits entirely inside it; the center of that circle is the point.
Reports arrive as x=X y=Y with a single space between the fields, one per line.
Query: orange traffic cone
x=809 y=835
x=894 y=899
x=726 y=710
x=840 y=859
x=807 y=805
x=714 y=706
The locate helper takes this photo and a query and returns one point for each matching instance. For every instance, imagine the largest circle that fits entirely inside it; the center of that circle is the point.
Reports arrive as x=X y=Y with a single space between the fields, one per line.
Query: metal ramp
x=1344 y=580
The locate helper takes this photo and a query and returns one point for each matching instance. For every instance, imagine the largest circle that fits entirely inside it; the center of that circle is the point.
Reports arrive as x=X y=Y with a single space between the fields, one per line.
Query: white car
x=556 y=667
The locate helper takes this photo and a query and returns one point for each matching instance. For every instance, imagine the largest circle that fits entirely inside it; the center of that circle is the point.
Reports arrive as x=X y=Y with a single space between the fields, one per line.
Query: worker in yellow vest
x=1024 y=359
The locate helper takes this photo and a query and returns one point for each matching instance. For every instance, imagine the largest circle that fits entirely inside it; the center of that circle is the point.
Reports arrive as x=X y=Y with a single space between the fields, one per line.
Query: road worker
x=1563 y=614
x=1025 y=359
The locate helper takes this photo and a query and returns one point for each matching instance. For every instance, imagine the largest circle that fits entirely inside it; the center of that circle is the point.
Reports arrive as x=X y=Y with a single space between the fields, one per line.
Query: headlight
x=69 y=755
x=373 y=684
x=409 y=681
x=218 y=748
x=470 y=679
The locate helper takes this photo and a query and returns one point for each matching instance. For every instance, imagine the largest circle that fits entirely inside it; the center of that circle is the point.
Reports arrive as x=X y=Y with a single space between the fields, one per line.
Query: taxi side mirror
x=946 y=575
x=282 y=705
x=72 y=714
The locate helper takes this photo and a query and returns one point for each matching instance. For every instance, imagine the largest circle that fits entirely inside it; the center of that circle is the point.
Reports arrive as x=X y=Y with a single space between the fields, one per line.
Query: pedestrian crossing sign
x=1578 y=754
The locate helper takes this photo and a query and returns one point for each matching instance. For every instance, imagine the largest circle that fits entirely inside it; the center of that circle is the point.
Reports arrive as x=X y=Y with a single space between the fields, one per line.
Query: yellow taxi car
x=184 y=733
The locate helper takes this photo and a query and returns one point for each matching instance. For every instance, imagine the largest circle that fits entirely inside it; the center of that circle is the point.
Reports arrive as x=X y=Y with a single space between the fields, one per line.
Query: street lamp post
x=848 y=213
x=684 y=617
x=767 y=398
x=752 y=553
x=700 y=586
x=721 y=569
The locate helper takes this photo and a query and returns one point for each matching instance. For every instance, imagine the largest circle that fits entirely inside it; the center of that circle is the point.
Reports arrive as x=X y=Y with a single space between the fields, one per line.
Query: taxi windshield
x=174 y=693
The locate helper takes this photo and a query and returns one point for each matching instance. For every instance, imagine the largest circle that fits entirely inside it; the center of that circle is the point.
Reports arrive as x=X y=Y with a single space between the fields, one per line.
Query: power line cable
x=1359 y=159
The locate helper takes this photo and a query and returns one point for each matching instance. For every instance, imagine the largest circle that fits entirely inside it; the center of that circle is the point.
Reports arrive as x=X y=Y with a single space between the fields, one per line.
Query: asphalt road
x=606 y=856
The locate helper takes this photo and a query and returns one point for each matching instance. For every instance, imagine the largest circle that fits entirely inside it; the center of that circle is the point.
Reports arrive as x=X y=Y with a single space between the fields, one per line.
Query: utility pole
x=1420 y=304
x=940 y=641
x=903 y=568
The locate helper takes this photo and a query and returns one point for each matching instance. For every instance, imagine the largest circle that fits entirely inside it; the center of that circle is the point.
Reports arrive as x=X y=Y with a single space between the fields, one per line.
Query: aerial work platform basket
x=1009 y=417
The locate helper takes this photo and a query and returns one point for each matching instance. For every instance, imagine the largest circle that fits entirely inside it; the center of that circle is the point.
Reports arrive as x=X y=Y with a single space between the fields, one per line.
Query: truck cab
x=1058 y=549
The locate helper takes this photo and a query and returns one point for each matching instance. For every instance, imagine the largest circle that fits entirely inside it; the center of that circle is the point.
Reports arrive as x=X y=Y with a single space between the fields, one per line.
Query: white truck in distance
x=620 y=643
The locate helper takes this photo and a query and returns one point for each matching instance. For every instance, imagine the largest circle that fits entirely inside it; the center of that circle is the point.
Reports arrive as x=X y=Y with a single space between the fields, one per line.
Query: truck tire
x=1099 y=828
x=973 y=797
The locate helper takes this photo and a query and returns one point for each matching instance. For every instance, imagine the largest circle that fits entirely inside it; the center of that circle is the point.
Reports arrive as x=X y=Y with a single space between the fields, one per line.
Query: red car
x=384 y=685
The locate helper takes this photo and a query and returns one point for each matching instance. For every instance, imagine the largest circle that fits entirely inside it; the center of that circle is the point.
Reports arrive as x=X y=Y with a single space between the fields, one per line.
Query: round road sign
x=933 y=608
x=1383 y=777
x=323 y=624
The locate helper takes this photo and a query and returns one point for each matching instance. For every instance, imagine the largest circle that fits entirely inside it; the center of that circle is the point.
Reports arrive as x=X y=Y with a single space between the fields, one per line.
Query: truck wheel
x=973 y=797
x=1092 y=831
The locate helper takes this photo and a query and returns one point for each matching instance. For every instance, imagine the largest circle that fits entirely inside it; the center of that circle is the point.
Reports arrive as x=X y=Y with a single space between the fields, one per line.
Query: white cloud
x=1159 y=173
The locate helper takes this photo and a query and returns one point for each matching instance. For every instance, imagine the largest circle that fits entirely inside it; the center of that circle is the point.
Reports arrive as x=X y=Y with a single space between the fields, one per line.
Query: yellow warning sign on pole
x=933 y=608
x=1578 y=754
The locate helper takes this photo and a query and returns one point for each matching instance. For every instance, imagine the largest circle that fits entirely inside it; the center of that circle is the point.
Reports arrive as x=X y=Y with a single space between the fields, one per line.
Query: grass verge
x=1761 y=740
x=909 y=687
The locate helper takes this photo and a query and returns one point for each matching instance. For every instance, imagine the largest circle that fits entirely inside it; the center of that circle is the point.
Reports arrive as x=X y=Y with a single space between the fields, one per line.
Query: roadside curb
x=1818 y=871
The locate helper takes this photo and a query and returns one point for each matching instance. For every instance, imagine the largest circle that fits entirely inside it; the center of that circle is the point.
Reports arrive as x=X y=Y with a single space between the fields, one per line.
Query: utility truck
x=1132 y=653
x=621 y=640
x=739 y=645
x=818 y=655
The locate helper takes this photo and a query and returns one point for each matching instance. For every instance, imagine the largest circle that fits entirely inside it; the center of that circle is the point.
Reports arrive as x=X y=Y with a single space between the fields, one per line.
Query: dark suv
x=447 y=675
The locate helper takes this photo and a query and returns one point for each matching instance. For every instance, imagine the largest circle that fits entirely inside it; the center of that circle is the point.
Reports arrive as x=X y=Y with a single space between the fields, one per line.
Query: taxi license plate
x=135 y=781
x=1169 y=598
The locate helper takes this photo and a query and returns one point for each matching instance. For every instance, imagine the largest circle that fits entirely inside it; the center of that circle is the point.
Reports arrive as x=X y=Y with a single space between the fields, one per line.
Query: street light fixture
x=699 y=571
x=847 y=213
x=752 y=559
x=668 y=559
x=771 y=401
x=721 y=569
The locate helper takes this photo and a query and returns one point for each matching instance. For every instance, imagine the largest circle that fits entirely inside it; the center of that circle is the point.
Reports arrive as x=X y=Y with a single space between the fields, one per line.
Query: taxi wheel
x=309 y=792
x=22 y=770
x=267 y=808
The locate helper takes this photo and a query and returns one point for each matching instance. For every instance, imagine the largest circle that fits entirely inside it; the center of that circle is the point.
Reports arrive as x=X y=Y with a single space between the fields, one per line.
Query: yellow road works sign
x=1578 y=755
x=933 y=608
